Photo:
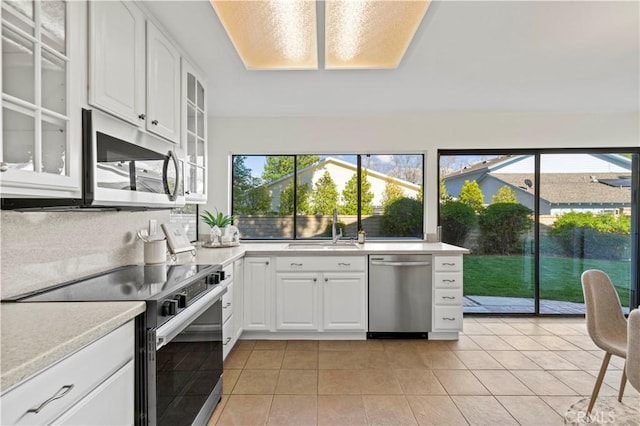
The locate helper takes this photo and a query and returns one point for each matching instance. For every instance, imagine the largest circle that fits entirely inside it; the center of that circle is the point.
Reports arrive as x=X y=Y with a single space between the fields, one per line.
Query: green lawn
x=512 y=276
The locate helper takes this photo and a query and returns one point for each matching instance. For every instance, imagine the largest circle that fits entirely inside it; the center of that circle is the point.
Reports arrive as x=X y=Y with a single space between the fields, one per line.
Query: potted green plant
x=217 y=222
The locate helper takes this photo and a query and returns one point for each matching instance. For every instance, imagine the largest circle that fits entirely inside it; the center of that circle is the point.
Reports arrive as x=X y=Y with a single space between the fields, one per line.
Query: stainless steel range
x=178 y=340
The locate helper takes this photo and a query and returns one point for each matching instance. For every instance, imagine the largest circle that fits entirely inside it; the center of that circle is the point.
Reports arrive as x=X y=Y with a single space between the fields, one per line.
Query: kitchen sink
x=340 y=245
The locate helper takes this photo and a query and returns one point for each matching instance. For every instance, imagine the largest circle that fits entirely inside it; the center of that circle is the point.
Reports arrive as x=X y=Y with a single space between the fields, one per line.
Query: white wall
x=408 y=134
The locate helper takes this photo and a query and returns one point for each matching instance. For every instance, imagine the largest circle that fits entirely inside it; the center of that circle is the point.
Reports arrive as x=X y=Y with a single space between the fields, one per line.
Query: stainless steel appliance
x=122 y=167
x=179 y=338
x=399 y=295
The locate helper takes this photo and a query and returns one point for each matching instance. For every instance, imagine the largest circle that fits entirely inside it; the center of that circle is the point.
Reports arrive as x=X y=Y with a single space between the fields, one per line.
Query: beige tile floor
x=502 y=371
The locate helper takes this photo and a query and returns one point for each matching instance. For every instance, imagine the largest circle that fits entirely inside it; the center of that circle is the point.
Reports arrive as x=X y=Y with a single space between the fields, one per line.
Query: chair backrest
x=605 y=320
x=633 y=349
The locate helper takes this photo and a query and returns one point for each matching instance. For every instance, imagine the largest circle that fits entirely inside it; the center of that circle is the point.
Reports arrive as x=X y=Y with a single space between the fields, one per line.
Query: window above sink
x=293 y=196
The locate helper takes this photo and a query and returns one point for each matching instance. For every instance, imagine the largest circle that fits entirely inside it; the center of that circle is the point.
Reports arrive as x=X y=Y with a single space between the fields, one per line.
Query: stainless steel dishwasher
x=399 y=295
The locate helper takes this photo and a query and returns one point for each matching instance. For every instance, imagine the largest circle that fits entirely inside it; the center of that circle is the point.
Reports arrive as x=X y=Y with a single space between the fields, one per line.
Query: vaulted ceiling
x=538 y=56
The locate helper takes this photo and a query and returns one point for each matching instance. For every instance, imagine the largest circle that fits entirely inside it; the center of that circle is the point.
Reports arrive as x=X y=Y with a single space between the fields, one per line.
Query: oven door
x=185 y=381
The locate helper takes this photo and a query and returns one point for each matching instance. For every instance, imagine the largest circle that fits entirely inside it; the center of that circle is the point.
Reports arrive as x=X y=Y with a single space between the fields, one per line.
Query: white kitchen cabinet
x=194 y=133
x=42 y=72
x=163 y=85
x=344 y=301
x=447 y=294
x=258 y=283
x=238 y=296
x=117 y=59
x=297 y=301
x=228 y=313
x=134 y=69
x=323 y=293
x=94 y=385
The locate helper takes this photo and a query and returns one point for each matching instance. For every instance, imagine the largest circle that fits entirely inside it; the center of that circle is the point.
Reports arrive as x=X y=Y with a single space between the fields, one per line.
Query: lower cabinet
x=447 y=294
x=93 y=386
x=324 y=294
x=257 y=293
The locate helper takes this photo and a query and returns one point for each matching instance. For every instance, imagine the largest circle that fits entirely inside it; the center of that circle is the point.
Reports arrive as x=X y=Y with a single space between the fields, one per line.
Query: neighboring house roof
x=331 y=160
x=572 y=188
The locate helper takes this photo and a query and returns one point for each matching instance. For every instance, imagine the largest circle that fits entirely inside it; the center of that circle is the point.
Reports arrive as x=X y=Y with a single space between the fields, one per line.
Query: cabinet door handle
x=61 y=392
x=448 y=319
x=226 y=341
x=296 y=264
x=154 y=122
x=142 y=116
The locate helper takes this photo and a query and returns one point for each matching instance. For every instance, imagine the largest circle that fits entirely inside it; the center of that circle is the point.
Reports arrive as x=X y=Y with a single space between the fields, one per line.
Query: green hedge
x=402 y=218
x=501 y=228
x=457 y=219
x=592 y=236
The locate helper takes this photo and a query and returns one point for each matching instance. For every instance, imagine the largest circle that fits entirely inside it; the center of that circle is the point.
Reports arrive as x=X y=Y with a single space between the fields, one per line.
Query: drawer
x=447 y=280
x=320 y=263
x=447 y=318
x=228 y=337
x=447 y=263
x=227 y=303
x=83 y=370
x=448 y=297
x=228 y=271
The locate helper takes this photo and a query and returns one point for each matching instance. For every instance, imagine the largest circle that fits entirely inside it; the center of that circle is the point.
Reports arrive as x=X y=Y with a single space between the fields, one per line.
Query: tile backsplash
x=40 y=249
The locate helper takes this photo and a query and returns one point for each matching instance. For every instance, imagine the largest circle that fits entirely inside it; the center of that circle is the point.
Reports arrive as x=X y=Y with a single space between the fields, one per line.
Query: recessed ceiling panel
x=370 y=33
x=271 y=34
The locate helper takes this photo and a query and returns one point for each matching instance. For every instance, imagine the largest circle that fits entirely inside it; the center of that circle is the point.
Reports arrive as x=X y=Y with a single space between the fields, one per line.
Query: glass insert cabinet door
x=194 y=133
x=38 y=153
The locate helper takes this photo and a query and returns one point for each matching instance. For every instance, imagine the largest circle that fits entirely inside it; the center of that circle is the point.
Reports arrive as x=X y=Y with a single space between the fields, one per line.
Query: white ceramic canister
x=155 y=251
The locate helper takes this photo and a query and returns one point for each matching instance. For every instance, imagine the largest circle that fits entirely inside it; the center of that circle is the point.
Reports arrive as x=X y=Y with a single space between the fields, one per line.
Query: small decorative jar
x=361 y=236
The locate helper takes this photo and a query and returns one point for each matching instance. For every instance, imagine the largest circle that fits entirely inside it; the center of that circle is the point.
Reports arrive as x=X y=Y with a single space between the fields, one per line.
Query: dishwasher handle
x=391 y=263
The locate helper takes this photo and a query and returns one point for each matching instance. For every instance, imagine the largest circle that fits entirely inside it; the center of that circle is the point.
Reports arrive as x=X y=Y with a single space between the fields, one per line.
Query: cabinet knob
x=315 y=279
x=326 y=280
x=3 y=166
x=266 y=263
x=154 y=122
x=142 y=116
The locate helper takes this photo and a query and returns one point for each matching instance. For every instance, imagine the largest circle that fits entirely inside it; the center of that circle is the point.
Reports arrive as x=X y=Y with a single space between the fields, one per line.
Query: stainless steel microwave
x=122 y=168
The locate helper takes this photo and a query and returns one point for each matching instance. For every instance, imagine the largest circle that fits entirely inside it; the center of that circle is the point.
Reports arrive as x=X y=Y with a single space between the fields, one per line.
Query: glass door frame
x=634 y=279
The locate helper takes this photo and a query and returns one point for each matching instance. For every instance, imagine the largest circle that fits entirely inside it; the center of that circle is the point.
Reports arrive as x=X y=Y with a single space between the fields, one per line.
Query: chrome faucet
x=336 y=233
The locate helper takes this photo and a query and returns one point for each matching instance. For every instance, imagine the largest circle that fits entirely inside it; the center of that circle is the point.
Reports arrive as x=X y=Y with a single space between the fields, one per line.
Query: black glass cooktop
x=131 y=282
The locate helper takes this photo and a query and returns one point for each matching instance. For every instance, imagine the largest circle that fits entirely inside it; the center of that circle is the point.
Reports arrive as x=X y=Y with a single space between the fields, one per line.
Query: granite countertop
x=226 y=255
x=36 y=335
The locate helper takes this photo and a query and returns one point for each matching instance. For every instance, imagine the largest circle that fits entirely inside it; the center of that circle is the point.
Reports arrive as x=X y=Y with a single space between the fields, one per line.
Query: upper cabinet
x=163 y=85
x=194 y=134
x=134 y=73
x=40 y=145
x=117 y=59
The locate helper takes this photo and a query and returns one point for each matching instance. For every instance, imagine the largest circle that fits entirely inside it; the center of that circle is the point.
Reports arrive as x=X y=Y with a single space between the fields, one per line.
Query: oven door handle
x=185 y=318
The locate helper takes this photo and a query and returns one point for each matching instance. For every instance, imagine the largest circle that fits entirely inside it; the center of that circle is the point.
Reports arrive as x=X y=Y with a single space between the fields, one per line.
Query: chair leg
x=596 y=387
x=623 y=381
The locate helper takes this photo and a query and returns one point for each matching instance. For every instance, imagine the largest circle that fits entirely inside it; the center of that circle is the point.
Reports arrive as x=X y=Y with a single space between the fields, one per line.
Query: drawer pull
x=448 y=264
x=449 y=297
x=61 y=392
x=227 y=305
x=296 y=264
x=226 y=341
x=448 y=318
x=448 y=281
x=343 y=264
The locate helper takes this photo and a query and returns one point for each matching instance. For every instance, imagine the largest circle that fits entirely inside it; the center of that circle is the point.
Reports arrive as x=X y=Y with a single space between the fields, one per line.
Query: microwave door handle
x=165 y=176
x=132 y=176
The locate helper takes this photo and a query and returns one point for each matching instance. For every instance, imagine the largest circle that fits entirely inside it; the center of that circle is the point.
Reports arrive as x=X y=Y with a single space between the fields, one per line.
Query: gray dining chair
x=633 y=349
x=606 y=324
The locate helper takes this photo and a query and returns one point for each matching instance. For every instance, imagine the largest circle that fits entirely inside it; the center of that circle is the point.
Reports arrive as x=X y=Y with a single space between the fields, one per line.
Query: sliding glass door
x=535 y=220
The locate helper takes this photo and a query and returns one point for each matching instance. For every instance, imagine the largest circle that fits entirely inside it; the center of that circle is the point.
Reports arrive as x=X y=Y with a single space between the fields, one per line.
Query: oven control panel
x=186 y=294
